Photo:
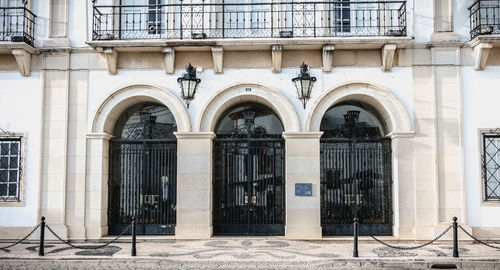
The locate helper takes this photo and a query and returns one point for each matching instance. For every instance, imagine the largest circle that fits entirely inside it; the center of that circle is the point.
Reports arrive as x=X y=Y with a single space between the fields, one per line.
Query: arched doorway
x=248 y=172
x=142 y=170
x=355 y=170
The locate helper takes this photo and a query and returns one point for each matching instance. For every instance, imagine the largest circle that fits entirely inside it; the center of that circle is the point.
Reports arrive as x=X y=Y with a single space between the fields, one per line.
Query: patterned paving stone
x=246 y=253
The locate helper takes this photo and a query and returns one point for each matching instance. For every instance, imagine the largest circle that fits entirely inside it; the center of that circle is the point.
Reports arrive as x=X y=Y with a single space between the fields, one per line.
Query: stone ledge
x=252 y=44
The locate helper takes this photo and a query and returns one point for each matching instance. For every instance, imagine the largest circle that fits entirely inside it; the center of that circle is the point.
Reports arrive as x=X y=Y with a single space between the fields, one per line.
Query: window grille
x=10 y=168
x=491 y=166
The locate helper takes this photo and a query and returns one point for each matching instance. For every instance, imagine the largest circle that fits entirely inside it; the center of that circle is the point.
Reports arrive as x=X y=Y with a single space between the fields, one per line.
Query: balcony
x=17 y=24
x=484 y=29
x=17 y=35
x=238 y=25
x=236 y=20
x=484 y=18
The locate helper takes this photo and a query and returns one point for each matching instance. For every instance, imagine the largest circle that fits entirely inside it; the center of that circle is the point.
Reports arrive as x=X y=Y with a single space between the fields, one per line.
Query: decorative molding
x=6 y=133
x=277 y=55
x=99 y=136
x=328 y=57
x=388 y=56
x=111 y=57
x=217 y=55
x=169 y=59
x=23 y=60
x=194 y=135
x=396 y=134
x=495 y=131
x=302 y=135
x=481 y=52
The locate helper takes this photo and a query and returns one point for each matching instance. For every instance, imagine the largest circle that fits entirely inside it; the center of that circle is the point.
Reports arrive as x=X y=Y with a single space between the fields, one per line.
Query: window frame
x=482 y=172
x=20 y=200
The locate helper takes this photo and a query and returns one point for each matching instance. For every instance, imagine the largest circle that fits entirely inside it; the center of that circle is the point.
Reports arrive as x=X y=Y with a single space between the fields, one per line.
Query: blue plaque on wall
x=303 y=189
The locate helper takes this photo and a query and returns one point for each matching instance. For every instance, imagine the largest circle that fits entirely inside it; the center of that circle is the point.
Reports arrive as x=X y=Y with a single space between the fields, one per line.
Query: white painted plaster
x=480 y=110
x=20 y=111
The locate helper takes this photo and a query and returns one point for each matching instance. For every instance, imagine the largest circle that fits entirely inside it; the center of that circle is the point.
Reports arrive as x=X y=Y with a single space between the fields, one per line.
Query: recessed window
x=10 y=168
x=491 y=165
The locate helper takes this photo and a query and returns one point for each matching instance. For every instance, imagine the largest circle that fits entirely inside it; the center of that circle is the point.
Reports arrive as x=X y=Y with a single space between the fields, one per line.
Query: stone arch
x=230 y=96
x=386 y=103
x=113 y=106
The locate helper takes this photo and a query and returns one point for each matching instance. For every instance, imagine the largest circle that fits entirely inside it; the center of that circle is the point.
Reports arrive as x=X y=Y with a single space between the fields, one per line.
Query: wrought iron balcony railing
x=484 y=17
x=17 y=24
x=203 y=20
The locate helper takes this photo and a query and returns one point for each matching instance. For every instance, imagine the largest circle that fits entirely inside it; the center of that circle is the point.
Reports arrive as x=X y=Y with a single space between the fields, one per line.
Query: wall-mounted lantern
x=188 y=83
x=304 y=84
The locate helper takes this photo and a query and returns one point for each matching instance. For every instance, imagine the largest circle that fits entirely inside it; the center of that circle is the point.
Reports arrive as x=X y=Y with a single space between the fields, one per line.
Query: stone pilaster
x=96 y=185
x=303 y=213
x=449 y=132
x=425 y=170
x=55 y=140
x=403 y=167
x=76 y=160
x=58 y=20
x=194 y=185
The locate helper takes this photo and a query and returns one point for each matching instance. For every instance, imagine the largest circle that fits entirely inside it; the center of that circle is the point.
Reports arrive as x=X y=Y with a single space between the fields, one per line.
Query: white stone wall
x=481 y=97
x=20 y=112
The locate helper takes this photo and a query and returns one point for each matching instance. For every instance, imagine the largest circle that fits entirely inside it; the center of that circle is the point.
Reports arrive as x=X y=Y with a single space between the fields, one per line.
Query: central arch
x=249 y=92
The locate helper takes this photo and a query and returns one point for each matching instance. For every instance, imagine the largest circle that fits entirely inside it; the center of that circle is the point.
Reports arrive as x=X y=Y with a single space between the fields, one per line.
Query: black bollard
x=455 y=237
x=134 y=250
x=41 y=251
x=355 y=252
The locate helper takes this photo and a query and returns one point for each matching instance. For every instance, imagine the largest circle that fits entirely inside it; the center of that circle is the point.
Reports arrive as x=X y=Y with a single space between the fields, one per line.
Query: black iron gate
x=249 y=181
x=142 y=179
x=364 y=177
x=143 y=184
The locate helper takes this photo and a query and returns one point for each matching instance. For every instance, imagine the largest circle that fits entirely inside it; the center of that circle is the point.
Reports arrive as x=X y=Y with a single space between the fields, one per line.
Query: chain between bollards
x=41 y=251
x=133 y=250
x=355 y=251
x=455 y=237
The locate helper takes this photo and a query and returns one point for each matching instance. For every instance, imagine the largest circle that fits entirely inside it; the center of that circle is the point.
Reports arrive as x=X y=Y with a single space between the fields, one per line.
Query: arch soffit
x=235 y=94
x=386 y=103
x=124 y=97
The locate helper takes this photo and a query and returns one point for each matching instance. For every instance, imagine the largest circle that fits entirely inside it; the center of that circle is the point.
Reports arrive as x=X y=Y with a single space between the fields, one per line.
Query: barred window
x=10 y=168
x=491 y=166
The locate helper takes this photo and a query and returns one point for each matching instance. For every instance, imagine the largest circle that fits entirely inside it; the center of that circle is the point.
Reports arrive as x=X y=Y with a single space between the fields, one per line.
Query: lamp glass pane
x=192 y=88
x=305 y=88
x=185 y=88
x=298 y=86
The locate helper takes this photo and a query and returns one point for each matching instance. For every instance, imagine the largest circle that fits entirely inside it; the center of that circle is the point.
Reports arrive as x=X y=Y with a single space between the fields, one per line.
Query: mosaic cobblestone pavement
x=250 y=253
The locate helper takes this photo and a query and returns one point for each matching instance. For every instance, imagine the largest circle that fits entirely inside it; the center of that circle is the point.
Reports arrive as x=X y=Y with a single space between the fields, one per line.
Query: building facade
x=400 y=127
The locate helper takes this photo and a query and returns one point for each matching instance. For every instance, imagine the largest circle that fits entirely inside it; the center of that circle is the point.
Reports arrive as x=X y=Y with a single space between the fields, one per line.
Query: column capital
x=302 y=135
x=99 y=136
x=194 y=135
x=401 y=134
